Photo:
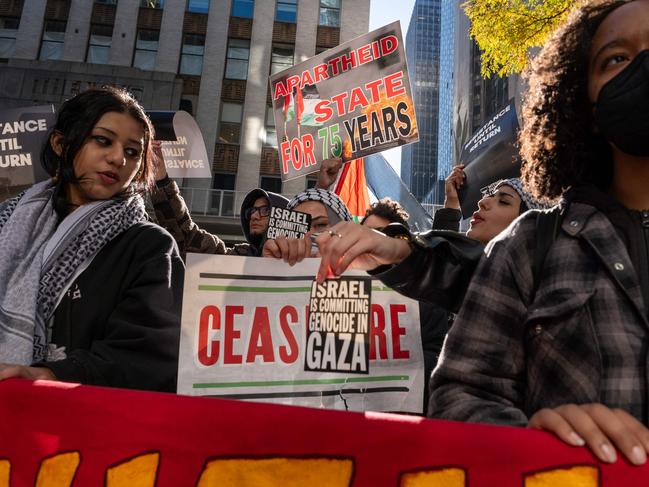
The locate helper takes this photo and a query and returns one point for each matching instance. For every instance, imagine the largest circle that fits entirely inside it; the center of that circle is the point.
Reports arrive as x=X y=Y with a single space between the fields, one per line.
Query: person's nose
x=116 y=155
x=484 y=203
x=255 y=215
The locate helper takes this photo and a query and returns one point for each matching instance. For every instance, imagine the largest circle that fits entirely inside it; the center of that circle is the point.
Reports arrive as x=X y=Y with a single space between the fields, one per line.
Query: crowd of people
x=535 y=317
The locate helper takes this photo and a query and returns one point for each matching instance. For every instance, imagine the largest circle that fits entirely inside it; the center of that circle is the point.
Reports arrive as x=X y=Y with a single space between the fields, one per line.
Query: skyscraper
x=419 y=160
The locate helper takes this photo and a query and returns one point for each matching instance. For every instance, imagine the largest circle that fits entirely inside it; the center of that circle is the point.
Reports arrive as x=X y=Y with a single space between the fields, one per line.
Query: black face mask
x=622 y=108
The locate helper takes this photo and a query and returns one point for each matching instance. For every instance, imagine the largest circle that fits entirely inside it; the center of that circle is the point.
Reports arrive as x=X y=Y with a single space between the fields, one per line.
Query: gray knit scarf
x=39 y=260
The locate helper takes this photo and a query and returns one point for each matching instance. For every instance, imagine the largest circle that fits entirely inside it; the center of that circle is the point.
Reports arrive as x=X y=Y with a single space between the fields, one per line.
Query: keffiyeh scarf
x=39 y=260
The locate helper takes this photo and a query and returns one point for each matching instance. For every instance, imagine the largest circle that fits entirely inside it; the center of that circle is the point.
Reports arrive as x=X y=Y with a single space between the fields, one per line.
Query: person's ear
x=56 y=142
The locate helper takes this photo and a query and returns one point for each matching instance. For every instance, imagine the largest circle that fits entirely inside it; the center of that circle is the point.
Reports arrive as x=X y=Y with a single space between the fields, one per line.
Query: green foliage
x=506 y=29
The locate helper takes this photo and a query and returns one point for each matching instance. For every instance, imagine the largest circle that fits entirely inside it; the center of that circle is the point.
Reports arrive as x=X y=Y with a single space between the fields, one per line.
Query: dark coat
x=120 y=320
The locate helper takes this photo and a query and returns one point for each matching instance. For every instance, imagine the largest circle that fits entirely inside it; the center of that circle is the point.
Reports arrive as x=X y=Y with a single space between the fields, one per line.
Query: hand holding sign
x=349 y=245
x=291 y=250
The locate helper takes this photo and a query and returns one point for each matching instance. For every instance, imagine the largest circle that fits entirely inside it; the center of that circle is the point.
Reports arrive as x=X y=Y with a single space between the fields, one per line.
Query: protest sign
x=350 y=101
x=337 y=338
x=244 y=336
x=57 y=434
x=289 y=223
x=182 y=144
x=491 y=154
x=22 y=133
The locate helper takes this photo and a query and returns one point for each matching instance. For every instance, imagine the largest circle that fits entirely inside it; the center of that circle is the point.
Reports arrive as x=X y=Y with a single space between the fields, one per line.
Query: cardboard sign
x=338 y=333
x=489 y=156
x=244 y=336
x=68 y=435
x=183 y=147
x=289 y=223
x=22 y=134
x=350 y=101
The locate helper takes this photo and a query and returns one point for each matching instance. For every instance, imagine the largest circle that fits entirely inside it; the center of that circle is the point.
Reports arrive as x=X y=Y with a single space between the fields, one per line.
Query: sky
x=384 y=12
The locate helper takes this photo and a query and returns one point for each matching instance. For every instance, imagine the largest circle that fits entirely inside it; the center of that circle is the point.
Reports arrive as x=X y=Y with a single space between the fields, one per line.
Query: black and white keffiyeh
x=40 y=260
x=336 y=210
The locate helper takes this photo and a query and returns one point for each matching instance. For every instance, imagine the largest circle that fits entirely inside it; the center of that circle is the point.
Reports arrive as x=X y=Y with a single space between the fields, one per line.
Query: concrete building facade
x=209 y=57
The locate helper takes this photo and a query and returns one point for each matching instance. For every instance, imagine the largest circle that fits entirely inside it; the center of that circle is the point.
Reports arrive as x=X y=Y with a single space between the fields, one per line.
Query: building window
x=230 y=126
x=286 y=11
x=223 y=201
x=281 y=58
x=271 y=183
x=191 y=59
x=107 y=2
x=146 y=49
x=53 y=39
x=311 y=182
x=198 y=6
x=8 y=32
x=236 y=64
x=330 y=13
x=152 y=3
x=242 y=8
x=271 y=131
x=223 y=181
x=99 y=44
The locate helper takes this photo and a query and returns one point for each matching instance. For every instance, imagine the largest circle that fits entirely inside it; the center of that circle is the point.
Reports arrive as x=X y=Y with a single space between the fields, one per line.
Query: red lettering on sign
x=229 y=357
x=261 y=341
x=289 y=354
x=397 y=331
x=208 y=353
x=377 y=332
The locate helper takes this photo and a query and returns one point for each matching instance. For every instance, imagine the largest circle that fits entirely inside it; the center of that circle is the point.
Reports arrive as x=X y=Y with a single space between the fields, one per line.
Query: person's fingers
x=9 y=371
x=301 y=249
x=282 y=244
x=621 y=431
x=582 y=420
x=293 y=249
x=550 y=420
x=271 y=249
x=640 y=430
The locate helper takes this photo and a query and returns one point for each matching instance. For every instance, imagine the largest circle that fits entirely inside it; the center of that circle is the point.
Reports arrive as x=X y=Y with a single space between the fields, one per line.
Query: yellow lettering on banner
x=277 y=472
x=140 y=471
x=58 y=471
x=578 y=476
x=5 y=471
x=446 y=477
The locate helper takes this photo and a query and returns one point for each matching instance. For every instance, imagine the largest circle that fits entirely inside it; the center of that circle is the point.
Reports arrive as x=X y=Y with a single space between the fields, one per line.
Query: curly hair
x=389 y=209
x=558 y=145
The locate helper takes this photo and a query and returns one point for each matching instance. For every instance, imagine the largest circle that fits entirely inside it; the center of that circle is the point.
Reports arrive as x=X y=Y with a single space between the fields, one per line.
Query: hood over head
x=274 y=199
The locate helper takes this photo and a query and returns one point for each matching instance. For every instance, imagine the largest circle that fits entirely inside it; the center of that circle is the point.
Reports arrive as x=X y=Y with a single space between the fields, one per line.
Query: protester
x=90 y=291
x=434 y=321
x=172 y=213
x=568 y=353
x=326 y=209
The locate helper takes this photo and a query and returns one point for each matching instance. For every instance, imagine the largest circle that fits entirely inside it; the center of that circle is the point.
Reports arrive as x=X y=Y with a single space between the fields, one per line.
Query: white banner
x=244 y=335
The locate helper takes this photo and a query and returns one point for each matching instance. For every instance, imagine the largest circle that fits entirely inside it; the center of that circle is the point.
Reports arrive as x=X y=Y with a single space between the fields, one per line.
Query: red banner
x=59 y=435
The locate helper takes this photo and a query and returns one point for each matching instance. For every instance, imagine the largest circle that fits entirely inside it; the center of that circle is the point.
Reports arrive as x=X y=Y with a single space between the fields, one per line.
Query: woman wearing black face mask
x=569 y=356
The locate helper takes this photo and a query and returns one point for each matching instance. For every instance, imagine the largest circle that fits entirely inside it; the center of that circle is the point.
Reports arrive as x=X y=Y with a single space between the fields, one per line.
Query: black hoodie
x=257 y=242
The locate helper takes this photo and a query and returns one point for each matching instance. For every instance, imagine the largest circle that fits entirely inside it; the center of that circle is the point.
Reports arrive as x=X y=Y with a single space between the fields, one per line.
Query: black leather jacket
x=438 y=270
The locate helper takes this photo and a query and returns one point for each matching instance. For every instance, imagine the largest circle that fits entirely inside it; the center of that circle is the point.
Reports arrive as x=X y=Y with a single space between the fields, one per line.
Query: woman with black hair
x=90 y=290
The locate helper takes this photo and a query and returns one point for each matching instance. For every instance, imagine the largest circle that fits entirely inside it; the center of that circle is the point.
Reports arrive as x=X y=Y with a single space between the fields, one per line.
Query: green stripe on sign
x=247 y=289
x=303 y=382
